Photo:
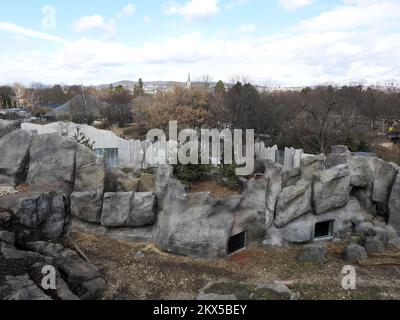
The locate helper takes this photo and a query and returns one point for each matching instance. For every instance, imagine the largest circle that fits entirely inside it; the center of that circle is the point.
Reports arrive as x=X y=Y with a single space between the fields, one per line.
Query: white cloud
x=15 y=29
x=295 y=4
x=235 y=3
x=94 y=23
x=146 y=19
x=193 y=9
x=247 y=28
x=315 y=51
x=128 y=10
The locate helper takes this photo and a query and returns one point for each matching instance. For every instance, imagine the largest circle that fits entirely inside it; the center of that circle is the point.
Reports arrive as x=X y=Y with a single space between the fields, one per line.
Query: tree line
x=313 y=119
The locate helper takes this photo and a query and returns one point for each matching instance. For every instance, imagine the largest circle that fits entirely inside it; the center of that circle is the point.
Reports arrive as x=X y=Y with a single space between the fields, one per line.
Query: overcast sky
x=287 y=42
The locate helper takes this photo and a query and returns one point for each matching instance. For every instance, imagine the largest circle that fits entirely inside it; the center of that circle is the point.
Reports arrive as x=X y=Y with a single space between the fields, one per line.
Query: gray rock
x=62 y=290
x=93 y=288
x=252 y=212
x=90 y=171
x=302 y=229
x=14 y=163
x=394 y=205
x=128 y=209
x=312 y=253
x=394 y=243
x=364 y=197
x=206 y=295
x=11 y=253
x=77 y=270
x=7 y=126
x=246 y=291
x=119 y=181
x=196 y=225
x=30 y=209
x=87 y=206
x=293 y=202
x=274 y=176
x=52 y=163
x=290 y=177
x=23 y=288
x=385 y=175
x=364 y=229
x=354 y=253
x=37 y=213
x=7 y=237
x=163 y=175
x=331 y=189
x=361 y=172
x=53 y=227
x=374 y=246
x=311 y=164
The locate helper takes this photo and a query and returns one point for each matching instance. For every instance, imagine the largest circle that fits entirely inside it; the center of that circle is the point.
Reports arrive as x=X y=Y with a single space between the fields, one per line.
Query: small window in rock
x=237 y=243
x=323 y=230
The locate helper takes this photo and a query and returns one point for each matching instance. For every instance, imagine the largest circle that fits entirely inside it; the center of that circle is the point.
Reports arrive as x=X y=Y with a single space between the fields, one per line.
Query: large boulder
x=385 y=175
x=293 y=202
x=52 y=163
x=164 y=174
x=23 y=288
x=311 y=164
x=36 y=214
x=87 y=206
x=331 y=189
x=354 y=253
x=301 y=230
x=14 y=161
x=290 y=177
x=361 y=171
x=90 y=171
x=274 y=176
x=312 y=253
x=128 y=209
x=197 y=224
x=7 y=126
x=252 y=211
x=394 y=205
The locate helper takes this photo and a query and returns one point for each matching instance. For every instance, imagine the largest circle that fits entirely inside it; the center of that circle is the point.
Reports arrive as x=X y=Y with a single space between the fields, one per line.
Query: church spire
x=189 y=82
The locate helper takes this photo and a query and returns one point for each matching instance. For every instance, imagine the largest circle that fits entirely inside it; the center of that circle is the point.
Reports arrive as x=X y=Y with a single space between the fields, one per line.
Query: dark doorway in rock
x=323 y=230
x=237 y=243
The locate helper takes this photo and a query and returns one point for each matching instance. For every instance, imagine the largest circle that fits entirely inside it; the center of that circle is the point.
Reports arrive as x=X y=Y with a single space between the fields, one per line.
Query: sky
x=271 y=42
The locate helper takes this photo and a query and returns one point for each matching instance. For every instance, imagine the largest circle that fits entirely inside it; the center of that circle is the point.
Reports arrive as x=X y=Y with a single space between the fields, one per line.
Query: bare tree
x=117 y=108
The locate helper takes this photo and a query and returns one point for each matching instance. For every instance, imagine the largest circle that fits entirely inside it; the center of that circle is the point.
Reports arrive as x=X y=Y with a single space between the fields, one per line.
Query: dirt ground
x=141 y=271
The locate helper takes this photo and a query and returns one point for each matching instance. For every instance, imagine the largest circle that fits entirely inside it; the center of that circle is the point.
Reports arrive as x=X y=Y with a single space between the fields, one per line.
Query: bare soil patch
x=213 y=186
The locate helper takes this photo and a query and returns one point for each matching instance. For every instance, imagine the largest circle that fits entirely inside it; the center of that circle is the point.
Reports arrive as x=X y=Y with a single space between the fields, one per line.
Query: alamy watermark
x=49 y=278
x=202 y=147
x=349 y=278
x=49 y=20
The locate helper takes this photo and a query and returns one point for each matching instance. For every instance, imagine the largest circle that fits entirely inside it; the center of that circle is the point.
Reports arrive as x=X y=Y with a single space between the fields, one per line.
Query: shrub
x=191 y=173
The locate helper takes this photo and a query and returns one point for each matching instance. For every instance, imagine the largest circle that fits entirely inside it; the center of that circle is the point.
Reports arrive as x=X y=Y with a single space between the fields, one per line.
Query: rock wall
x=71 y=189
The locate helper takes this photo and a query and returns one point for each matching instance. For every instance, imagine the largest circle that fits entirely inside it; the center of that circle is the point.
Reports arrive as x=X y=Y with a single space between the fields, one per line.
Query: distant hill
x=131 y=84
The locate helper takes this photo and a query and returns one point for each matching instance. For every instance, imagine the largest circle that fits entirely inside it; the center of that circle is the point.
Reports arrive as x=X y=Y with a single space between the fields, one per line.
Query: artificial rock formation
x=195 y=224
x=331 y=188
x=128 y=209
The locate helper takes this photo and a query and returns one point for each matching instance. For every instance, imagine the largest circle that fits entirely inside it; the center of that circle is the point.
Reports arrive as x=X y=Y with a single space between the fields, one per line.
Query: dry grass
x=141 y=271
